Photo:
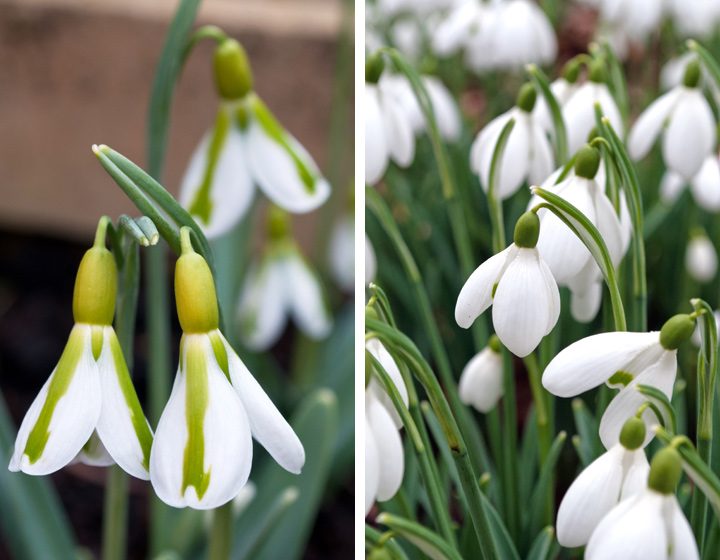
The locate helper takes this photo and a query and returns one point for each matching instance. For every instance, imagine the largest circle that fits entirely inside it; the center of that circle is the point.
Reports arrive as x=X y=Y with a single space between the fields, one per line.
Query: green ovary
x=196 y=403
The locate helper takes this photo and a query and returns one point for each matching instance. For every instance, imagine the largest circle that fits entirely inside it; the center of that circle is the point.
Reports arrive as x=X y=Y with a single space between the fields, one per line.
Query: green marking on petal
x=196 y=403
x=494 y=289
x=139 y=423
x=201 y=205
x=276 y=132
x=620 y=378
x=38 y=438
x=220 y=352
x=242 y=117
x=96 y=340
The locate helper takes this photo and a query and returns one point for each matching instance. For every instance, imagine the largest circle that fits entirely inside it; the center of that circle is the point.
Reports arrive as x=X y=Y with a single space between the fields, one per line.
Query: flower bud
x=194 y=290
x=233 y=77
x=96 y=283
x=526 y=98
x=676 y=330
x=571 y=71
x=494 y=344
x=374 y=66
x=691 y=78
x=380 y=553
x=527 y=230
x=665 y=471
x=596 y=71
x=633 y=433
x=587 y=162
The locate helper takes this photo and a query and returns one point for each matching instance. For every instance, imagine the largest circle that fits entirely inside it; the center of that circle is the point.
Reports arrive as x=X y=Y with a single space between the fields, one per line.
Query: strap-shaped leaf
x=543 y=546
x=537 y=500
x=428 y=542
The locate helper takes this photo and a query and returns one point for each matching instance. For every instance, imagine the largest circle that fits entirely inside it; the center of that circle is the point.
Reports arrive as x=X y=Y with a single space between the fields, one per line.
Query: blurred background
x=74 y=73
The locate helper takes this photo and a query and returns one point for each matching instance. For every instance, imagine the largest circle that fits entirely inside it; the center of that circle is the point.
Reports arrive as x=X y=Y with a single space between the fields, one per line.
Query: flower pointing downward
x=621 y=360
x=481 y=381
x=247 y=146
x=88 y=408
x=519 y=286
x=202 y=452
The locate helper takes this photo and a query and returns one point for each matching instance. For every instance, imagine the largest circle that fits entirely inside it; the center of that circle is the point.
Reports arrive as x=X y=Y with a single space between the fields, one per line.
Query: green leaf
x=374 y=538
x=31 y=517
x=263 y=527
x=587 y=427
x=543 y=545
x=428 y=542
x=315 y=423
x=537 y=505
x=708 y=60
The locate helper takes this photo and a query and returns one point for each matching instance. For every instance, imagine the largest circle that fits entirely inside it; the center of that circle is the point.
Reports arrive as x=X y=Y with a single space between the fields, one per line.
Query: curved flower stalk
x=388 y=130
x=519 y=286
x=701 y=260
x=688 y=127
x=622 y=360
x=567 y=256
x=505 y=34
x=281 y=286
x=650 y=525
x=246 y=147
x=579 y=110
x=618 y=474
x=528 y=155
x=704 y=185
x=481 y=380
x=384 y=458
x=88 y=408
x=202 y=453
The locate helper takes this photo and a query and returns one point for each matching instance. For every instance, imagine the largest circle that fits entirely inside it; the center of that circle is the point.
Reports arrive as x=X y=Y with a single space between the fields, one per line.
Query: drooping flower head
x=481 y=380
x=519 y=286
x=281 y=286
x=202 y=453
x=701 y=260
x=88 y=408
x=245 y=148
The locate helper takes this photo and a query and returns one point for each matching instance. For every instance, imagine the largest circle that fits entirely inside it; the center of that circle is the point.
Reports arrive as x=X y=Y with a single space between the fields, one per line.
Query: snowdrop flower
x=701 y=259
x=384 y=458
x=563 y=88
x=282 y=286
x=342 y=253
x=88 y=407
x=704 y=186
x=246 y=146
x=569 y=260
x=698 y=18
x=579 y=110
x=370 y=261
x=619 y=473
x=622 y=360
x=519 y=286
x=388 y=131
x=481 y=381
x=638 y=17
x=651 y=524
x=689 y=133
x=202 y=453
x=528 y=155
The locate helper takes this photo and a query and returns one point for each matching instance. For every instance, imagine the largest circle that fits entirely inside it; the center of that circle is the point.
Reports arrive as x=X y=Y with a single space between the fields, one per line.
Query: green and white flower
x=246 y=147
x=202 y=453
x=88 y=408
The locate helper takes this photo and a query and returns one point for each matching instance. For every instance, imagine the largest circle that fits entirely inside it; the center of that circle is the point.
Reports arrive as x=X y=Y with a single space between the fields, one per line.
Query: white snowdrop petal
x=279 y=174
x=636 y=475
x=305 y=298
x=398 y=131
x=94 y=453
x=690 y=135
x=231 y=187
x=705 y=186
x=542 y=160
x=553 y=296
x=684 y=546
x=74 y=415
x=590 y=361
x=701 y=260
x=633 y=530
x=625 y=404
x=608 y=224
x=476 y=294
x=376 y=348
x=267 y=425
x=481 y=381
x=648 y=126
x=122 y=426
x=522 y=306
x=671 y=187
x=515 y=163
x=263 y=304
x=445 y=108
x=342 y=254
x=370 y=261
x=484 y=145
x=590 y=497
x=376 y=149
x=372 y=467
x=390 y=450
x=584 y=305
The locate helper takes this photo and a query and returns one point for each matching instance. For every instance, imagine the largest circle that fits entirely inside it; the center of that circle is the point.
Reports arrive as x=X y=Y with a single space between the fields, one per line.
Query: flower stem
x=114 y=534
x=221 y=533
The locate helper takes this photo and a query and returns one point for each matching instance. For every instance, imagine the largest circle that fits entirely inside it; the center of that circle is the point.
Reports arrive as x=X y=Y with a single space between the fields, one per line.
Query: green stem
x=221 y=533
x=509 y=476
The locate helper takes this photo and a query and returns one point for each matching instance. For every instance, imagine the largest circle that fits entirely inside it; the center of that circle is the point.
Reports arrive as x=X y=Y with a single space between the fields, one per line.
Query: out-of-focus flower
x=281 y=286
x=704 y=186
x=481 y=381
x=698 y=18
x=528 y=155
x=519 y=286
x=370 y=261
x=246 y=147
x=88 y=408
x=202 y=453
x=342 y=253
x=701 y=259
x=688 y=127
